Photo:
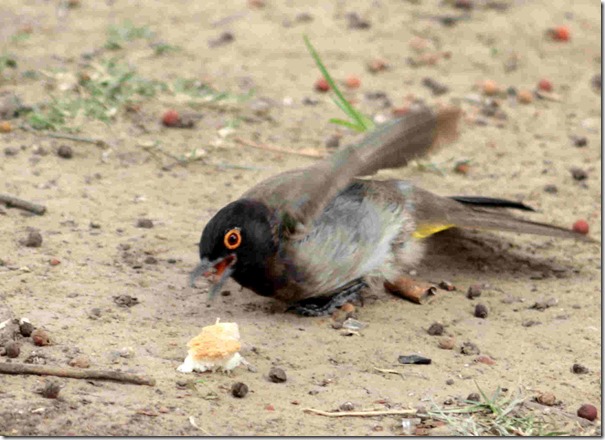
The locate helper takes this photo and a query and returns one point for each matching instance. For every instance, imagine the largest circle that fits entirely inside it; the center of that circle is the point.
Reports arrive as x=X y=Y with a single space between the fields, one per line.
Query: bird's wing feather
x=301 y=195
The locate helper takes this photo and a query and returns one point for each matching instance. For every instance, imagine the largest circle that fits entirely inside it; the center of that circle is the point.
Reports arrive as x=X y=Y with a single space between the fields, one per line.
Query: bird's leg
x=324 y=305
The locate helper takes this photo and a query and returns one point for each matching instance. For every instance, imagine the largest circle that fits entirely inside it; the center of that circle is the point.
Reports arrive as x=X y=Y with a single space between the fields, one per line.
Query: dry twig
x=387 y=412
x=75 y=373
x=16 y=202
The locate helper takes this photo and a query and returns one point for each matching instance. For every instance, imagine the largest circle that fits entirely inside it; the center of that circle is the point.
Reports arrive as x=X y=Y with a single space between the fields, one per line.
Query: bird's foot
x=325 y=305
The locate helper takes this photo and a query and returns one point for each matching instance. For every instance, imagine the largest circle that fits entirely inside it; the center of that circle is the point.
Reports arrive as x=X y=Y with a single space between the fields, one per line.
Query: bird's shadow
x=458 y=252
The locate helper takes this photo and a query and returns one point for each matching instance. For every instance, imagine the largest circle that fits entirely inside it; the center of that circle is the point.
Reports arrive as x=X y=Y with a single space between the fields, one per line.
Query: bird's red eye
x=233 y=239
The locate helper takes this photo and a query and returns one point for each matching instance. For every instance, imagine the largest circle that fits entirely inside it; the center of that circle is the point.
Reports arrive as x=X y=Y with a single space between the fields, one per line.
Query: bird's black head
x=238 y=241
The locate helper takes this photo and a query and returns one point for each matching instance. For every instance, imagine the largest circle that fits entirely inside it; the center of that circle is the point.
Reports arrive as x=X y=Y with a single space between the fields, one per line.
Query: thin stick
x=16 y=202
x=195 y=425
x=388 y=412
x=69 y=137
x=75 y=373
x=248 y=143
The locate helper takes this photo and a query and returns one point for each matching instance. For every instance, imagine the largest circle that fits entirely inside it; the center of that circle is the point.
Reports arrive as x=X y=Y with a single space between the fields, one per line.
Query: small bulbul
x=314 y=237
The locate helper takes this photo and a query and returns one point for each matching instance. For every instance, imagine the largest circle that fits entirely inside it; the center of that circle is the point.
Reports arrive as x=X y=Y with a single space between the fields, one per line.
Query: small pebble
x=414 y=359
x=34 y=239
x=447 y=343
x=484 y=359
x=490 y=87
x=333 y=141
x=480 y=311
x=239 y=390
x=449 y=382
x=222 y=39
x=551 y=189
x=474 y=397
x=348 y=308
x=547 y=399
x=144 y=223
x=435 y=86
x=65 y=151
x=11 y=151
x=436 y=329
x=468 y=348
x=579 y=141
x=40 y=337
x=322 y=85
x=377 y=65
x=26 y=328
x=559 y=33
x=588 y=412
x=474 y=291
x=581 y=227
x=545 y=85
x=525 y=96
x=51 y=389
x=151 y=260
x=80 y=362
x=5 y=127
x=353 y=82
x=125 y=300
x=579 y=369
x=356 y=22
x=446 y=285
x=13 y=349
x=578 y=174
x=347 y=406
x=277 y=375
x=54 y=262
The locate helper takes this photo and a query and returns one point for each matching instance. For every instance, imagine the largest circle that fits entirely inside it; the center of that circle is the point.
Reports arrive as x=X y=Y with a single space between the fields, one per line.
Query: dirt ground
x=95 y=199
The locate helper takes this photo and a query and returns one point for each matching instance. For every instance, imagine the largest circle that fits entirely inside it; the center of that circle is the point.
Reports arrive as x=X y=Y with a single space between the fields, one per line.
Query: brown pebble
x=588 y=412
x=449 y=382
x=468 y=348
x=348 y=308
x=277 y=375
x=551 y=189
x=377 y=65
x=80 y=362
x=579 y=174
x=144 y=223
x=490 y=87
x=34 y=239
x=474 y=397
x=40 y=337
x=65 y=151
x=474 y=291
x=547 y=399
x=26 y=328
x=51 y=389
x=447 y=343
x=436 y=329
x=525 y=96
x=579 y=141
x=239 y=390
x=13 y=349
x=151 y=260
x=579 y=369
x=446 y=285
x=481 y=311
x=483 y=359
x=333 y=141
x=125 y=300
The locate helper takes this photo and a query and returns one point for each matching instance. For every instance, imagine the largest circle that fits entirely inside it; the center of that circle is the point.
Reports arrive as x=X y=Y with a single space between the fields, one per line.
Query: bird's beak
x=217 y=271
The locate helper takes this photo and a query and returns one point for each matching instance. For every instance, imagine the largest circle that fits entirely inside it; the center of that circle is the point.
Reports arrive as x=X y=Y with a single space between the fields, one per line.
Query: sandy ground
x=115 y=186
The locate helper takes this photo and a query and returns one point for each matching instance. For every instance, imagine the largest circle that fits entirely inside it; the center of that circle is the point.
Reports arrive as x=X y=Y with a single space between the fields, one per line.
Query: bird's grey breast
x=350 y=239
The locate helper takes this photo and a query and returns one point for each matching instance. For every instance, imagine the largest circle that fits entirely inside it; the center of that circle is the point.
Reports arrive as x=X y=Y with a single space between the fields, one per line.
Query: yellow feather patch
x=423 y=231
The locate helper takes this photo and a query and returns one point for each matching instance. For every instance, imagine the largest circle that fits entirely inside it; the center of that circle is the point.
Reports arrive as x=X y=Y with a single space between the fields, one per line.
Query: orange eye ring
x=233 y=238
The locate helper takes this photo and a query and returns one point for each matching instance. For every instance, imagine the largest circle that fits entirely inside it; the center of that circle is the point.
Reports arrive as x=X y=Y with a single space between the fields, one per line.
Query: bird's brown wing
x=301 y=195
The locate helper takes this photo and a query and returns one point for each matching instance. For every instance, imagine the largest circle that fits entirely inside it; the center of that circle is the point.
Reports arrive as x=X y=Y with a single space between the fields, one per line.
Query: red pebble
x=352 y=82
x=485 y=360
x=322 y=85
x=588 y=412
x=545 y=85
x=560 y=33
x=581 y=227
x=54 y=262
x=270 y=407
x=171 y=118
x=400 y=111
